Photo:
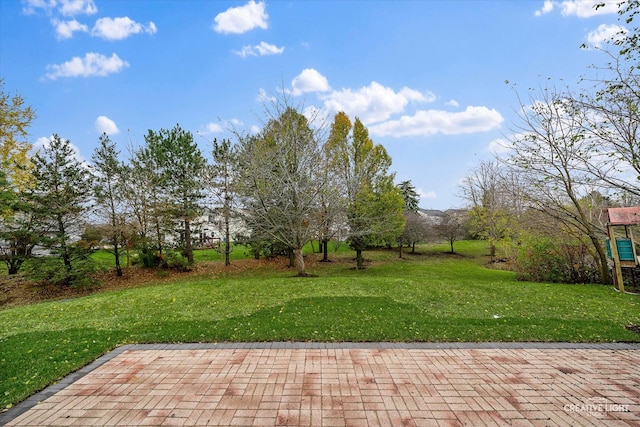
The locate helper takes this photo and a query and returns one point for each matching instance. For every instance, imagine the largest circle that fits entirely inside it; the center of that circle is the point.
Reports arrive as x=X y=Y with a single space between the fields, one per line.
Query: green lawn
x=433 y=296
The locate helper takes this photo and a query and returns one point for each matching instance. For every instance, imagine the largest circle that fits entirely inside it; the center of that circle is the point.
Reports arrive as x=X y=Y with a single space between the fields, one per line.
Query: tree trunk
x=13 y=266
x=292 y=257
x=227 y=249
x=188 y=247
x=325 y=251
x=116 y=254
x=400 y=250
x=492 y=250
x=299 y=261
x=601 y=260
x=359 y=259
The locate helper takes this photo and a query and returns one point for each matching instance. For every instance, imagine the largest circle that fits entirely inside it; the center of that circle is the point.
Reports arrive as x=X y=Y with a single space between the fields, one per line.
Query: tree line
x=573 y=152
x=288 y=184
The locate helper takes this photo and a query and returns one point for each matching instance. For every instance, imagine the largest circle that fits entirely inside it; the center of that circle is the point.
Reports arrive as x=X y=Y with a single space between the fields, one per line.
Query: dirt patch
x=17 y=290
x=20 y=291
x=633 y=328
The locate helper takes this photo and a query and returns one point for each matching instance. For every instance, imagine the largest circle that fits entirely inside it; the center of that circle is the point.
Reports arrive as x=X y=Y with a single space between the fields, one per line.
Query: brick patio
x=350 y=384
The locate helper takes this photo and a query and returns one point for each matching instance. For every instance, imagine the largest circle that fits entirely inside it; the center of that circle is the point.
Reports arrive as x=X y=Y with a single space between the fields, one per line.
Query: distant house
x=208 y=229
x=432 y=216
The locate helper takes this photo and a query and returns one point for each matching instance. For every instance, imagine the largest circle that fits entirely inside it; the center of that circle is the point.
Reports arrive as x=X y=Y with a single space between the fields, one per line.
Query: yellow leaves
x=15 y=117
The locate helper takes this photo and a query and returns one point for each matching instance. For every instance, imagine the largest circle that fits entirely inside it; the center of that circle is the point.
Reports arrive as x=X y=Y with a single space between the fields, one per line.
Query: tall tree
x=411 y=201
x=62 y=196
x=281 y=182
x=108 y=174
x=374 y=205
x=147 y=202
x=181 y=165
x=548 y=151
x=15 y=118
x=410 y=196
x=17 y=234
x=223 y=180
x=332 y=216
x=494 y=198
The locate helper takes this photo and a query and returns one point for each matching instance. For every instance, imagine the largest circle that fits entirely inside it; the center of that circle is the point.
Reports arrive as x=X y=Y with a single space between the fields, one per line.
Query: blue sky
x=426 y=77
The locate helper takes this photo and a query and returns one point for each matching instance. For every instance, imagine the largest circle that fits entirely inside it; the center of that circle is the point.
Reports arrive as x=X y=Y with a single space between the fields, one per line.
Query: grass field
x=432 y=296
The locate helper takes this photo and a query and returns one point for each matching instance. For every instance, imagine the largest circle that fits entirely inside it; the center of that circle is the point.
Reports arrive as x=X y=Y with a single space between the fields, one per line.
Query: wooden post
x=617 y=277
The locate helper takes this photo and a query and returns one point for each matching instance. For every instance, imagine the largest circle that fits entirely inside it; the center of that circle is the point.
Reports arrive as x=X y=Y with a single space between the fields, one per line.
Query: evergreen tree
x=223 y=180
x=180 y=166
x=107 y=190
x=62 y=194
x=410 y=196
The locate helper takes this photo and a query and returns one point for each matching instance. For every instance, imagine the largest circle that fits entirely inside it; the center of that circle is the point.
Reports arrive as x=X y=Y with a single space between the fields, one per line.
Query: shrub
x=545 y=259
x=52 y=270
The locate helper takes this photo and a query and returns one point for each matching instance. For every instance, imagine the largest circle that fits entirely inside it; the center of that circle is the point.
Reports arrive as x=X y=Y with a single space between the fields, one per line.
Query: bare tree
x=280 y=182
x=451 y=227
x=549 y=149
x=416 y=229
x=495 y=198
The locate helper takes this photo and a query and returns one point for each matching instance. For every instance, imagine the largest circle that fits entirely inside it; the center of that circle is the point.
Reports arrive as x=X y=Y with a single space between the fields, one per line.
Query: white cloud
x=105 y=125
x=579 y=8
x=453 y=103
x=426 y=195
x=499 y=146
x=120 y=28
x=213 y=128
x=31 y=6
x=309 y=80
x=93 y=64
x=373 y=103
x=220 y=126
x=40 y=143
x=604 y=33
x=65 y=29
x=547 y=7
x=238 y=20
x=264 y=97
x=77 y=7
x=430 y=122
x=261 y=49
x=44 y=142
x=63 y=7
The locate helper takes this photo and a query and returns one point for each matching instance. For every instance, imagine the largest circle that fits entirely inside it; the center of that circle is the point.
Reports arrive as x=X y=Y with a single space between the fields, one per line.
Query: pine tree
x=62 y=194
x=108 y=173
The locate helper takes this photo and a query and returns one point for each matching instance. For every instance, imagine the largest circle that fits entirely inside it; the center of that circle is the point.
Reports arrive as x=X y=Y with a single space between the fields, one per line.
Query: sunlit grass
x=429 y=296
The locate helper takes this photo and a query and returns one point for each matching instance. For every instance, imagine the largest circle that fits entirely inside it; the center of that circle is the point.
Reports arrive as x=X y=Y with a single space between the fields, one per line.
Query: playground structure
x=623 y=252
x=215 y=243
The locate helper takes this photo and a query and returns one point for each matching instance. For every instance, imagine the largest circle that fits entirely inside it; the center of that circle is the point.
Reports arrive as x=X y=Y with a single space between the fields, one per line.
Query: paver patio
x=348 y=384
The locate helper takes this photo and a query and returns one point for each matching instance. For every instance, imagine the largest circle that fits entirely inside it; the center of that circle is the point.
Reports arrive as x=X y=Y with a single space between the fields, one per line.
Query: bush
x=544 y=259
x=52 y=270
x=176 y=261
x=171 y=259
